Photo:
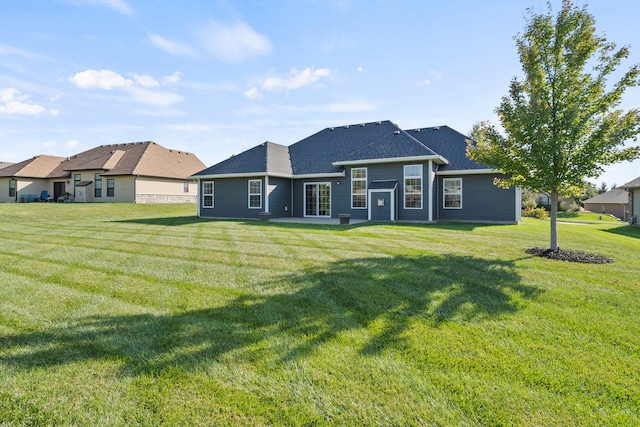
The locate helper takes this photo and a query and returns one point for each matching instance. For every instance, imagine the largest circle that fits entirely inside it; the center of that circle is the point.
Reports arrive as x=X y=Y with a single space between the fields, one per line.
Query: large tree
x=561 y=122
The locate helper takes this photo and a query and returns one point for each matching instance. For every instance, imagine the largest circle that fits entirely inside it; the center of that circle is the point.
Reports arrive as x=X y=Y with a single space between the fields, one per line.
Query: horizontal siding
x=230 y=199
x=280 y=197
x=481 y=200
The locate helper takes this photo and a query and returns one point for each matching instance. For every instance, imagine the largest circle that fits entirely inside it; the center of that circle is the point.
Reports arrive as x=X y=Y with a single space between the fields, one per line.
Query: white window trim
x=208 y=194
x=249 y=194
x=304 y=198
x=404 y=186
x=366 y=188
x=444 y=193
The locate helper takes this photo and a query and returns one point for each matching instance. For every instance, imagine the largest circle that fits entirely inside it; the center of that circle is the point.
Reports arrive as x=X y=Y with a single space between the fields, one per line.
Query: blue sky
x=218 y=77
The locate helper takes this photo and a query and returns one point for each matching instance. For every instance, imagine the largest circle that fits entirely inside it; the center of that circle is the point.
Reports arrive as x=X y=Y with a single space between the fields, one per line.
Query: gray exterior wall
x=231 y=198
x=341 y=192
x=634 y=201
x=280 y=197
x=481 y=200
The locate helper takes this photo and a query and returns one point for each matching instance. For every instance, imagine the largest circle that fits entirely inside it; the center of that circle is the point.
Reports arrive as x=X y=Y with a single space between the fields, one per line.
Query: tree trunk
x=554 y=220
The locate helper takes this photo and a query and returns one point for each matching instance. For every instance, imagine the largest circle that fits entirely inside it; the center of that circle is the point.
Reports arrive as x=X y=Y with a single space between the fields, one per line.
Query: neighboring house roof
x=36 y=167
x=617 y=196
x=5 y=164
x=134 y=158
x=325 y=152
x=632 y=184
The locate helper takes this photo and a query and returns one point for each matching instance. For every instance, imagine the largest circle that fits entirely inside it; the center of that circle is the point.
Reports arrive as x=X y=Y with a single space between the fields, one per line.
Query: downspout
x=430 y=190
x=198 y=202
x=266 y=191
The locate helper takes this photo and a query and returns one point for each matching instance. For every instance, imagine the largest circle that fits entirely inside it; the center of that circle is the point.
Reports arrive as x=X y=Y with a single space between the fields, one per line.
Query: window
x=186 y=186
x=359 y=188
x=413 y=187
x=255 y=193
x=97 y=185
x=207 y=194
x=12 y=188
x=452 y=193
x=111 y=187
x=76 y=180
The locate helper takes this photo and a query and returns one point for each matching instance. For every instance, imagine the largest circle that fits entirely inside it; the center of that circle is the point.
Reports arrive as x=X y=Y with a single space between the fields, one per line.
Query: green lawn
x=586 y=217
x=116 y=314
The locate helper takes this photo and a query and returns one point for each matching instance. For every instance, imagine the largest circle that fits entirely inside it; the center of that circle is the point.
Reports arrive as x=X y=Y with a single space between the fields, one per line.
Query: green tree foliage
x=562 y=122
x=603 y=188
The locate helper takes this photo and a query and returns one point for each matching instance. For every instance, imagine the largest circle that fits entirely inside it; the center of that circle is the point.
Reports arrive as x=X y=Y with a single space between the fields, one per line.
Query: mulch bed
x=569 y=256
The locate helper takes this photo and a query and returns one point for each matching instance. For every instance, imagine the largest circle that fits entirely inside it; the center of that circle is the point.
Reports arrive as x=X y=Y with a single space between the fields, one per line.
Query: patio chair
x=45 y=197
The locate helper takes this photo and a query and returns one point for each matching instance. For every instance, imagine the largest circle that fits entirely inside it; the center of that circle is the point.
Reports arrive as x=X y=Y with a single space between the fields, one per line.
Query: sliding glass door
x=317 y=199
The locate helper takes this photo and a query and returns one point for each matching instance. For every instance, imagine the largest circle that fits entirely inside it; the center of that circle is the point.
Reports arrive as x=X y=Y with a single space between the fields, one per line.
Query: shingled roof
x=617 y=195
x=267 y=157
x=327 y=151
x=36 y=167
x=632 y=184
x=134 y=158
x=450 y=144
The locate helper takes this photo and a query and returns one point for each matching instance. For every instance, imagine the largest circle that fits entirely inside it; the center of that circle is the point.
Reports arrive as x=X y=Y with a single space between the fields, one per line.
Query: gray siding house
x=370 y=171
x=633 y=187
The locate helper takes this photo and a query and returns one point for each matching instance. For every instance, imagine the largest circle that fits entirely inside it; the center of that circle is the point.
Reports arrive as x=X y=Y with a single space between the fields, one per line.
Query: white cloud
x=252 y=94
x=172 y=79
x=103 y=79
x=72 y=143
x=233 y=43
x=12 y=102
x=171 y=47
x=145 y=80
x=119 y=6
x=295 y=79
x=156 y=98
x=49 y=144
x=359 y=69
x=141 y=88
x=426 y=82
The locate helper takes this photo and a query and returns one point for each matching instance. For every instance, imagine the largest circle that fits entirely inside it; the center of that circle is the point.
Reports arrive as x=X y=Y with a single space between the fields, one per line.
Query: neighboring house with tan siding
x=613 y=202
x=137 y=172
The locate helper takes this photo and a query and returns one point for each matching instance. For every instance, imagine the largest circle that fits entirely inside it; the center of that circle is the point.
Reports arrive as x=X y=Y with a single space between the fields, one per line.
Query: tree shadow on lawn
x=167 y=221
x=378 y=299
x=625 y=230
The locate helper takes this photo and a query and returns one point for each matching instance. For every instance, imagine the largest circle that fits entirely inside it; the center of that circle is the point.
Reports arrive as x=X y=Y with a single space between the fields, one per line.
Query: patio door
x=317 y=199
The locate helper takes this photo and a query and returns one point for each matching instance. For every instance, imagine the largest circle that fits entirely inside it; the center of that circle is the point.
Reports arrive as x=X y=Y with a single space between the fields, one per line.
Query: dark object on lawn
x=569 y=256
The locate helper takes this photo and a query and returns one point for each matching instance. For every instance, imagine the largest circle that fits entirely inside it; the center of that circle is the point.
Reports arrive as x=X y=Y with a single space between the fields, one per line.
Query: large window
x=207 y=194
x=255 y=193
x=12 y=188
x=111 y=187
x=452 y=193
x=359 y=188
x=97 y=185
x=413 y=187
